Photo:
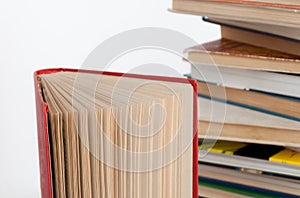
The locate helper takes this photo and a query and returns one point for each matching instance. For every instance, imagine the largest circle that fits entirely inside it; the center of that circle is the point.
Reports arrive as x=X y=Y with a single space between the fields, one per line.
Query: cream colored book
x=239 y=78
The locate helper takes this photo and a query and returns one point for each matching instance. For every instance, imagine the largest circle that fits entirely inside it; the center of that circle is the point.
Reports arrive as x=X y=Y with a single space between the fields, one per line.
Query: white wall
x=38 y=34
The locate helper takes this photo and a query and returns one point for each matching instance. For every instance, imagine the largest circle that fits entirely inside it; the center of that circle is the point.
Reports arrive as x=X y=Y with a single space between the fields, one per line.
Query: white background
x=36 y=34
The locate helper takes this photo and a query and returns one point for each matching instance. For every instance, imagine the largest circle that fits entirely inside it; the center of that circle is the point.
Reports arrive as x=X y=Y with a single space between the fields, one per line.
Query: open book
x=104 y=134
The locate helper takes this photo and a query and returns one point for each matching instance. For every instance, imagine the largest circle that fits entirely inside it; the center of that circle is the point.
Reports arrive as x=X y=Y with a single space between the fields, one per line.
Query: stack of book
x=249 y=97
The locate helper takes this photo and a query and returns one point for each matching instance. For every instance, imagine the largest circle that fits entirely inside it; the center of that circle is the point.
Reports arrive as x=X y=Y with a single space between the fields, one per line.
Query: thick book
x=261 y=39
x=278 y=186
x=286 y=33
x=212 y=187
x=226 y=147
x=225 y=52
x=259 y=101
x=283 y=84
x=250 y=165
x=267 y=3
x=285 y=14
x=221 y=121
x=248 y=133
x=222 y=112
x=273 y=37
x=287 y=156
x=106 y=134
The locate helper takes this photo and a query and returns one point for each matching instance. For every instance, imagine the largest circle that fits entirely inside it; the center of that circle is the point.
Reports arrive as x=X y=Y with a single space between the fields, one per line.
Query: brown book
x=205 y=191
x=220 y=112
x=251 y=98
x=292 y=4
x=224 y=52
x=292 y=33
x=267 y=182
x=261 y=39
x=248 y=133
x=270 y=12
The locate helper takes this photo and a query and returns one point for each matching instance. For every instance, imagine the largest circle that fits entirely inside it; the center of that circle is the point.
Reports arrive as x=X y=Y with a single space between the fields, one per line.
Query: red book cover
x=43 y=134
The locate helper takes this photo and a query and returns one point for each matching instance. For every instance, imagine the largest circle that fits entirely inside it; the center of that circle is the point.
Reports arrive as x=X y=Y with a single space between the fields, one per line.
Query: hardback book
x=212 y=110
x=225 y=52
x=256 y=100
x=286 y=33
x=261 y=39
x=248 y=133
x=268 y=36
x=226 y=147
x=267 y=3
x=221 y=121
x=270 y=82
x=207 y=190
x=286 y=14
x=250 y=165
x=216 y=188
x=256 y=151
x=106 y=134
x=239 y=183
x=257 y=160
x=287 y=156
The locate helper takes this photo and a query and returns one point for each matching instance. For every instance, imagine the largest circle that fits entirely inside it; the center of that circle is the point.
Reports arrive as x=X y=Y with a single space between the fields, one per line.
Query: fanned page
x=114 y=136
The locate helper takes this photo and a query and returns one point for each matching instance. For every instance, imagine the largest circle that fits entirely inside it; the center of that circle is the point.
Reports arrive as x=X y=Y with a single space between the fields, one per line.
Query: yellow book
x=287 y=156
x=225 y=147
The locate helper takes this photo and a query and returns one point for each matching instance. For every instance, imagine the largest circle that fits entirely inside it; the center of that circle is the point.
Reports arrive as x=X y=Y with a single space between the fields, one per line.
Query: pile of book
x=249 y=97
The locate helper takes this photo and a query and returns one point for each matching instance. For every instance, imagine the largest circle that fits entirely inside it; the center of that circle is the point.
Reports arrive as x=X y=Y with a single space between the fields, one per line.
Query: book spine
x=195 y=140
x=43 y=143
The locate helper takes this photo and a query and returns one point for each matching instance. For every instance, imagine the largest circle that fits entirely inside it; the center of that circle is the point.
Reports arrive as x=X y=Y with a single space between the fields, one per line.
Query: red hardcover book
x=46 y=171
